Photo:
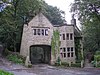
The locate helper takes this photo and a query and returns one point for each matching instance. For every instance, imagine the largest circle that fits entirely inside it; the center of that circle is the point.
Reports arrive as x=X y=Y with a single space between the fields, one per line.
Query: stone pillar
x=23 y=49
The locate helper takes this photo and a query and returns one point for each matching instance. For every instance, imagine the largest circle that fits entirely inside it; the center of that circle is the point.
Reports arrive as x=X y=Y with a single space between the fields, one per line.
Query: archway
x=40 y=54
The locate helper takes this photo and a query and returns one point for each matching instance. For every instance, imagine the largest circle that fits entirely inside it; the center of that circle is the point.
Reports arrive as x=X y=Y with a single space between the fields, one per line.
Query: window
x=64 y=55
x=38 y=31
x=67 y=36
x=68 y=49
x=42 y=31
x=64 y=49
x=68 y=54
x=72 y=54
x=46 y=32
x=71 y=48
x=71 y=36
x=63 y=52
x=34 y=31
x=63 y=36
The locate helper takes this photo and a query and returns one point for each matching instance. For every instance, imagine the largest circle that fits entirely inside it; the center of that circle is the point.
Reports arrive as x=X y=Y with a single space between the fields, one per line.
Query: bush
x=65 y=64
x=58 y=62
x=5 y=73
x=76 y=65
x=97 y=57
x=15 y=59
x=97 y=53
x=98 y=65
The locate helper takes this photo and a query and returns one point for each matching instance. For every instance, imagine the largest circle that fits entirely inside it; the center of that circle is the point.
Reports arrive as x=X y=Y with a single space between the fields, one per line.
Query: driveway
x=43 y=69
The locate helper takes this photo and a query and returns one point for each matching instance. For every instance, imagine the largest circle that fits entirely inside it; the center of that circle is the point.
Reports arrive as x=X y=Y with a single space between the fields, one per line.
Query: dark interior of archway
x=40 y=54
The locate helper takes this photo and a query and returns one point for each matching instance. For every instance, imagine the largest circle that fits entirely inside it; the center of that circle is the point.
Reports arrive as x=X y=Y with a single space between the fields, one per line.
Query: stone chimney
x=73 y=21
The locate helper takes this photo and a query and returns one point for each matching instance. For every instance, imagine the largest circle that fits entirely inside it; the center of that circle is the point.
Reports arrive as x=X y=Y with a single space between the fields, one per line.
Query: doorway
x=40 y=54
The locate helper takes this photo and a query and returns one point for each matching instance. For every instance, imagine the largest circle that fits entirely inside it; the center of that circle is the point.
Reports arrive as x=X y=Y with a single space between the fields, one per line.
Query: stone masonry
x=39 y=31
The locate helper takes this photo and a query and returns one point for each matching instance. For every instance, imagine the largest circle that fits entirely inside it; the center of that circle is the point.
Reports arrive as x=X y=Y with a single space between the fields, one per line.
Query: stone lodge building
x=37 y=37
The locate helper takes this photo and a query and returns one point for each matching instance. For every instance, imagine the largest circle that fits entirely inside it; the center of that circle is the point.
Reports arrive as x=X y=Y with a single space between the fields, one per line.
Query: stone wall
x=28 y=38
x=39 y=31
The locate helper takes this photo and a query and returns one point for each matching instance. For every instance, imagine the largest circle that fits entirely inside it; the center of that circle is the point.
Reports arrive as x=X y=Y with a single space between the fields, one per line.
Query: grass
x=2 y=72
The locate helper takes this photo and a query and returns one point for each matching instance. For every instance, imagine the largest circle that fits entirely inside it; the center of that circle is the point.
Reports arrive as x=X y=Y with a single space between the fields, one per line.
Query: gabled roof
x=77 y=32
x=40 y=21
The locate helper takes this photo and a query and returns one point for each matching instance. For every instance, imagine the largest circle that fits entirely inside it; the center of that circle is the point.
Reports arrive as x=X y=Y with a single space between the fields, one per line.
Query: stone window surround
x=67 y=52
x=70 y=52
x=67 y=36
x=40 y=31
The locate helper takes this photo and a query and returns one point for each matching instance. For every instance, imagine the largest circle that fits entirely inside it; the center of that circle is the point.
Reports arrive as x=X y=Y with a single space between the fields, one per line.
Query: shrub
x=15 y=59
x=76 y=65
x=97 y=53
x=65 y=64
x=5 y=73
x=98 y=65
x=58 y=62
x=97 y=57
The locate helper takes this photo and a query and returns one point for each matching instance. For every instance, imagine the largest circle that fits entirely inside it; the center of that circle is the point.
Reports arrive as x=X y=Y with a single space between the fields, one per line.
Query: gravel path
x=45 y=69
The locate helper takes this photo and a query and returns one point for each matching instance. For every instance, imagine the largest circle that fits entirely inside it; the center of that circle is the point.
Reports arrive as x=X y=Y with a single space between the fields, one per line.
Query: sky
x=63 y=5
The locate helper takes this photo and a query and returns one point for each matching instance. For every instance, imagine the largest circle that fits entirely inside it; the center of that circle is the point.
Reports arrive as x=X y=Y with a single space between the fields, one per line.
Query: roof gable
x=40 y=21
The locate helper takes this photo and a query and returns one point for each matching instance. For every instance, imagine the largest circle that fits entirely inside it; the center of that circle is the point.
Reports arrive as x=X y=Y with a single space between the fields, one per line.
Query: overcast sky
x=63 y=5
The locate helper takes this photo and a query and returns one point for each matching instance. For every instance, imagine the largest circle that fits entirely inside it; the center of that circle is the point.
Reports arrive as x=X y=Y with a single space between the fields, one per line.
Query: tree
x=13 y=18
x=54 y=14
x=88 y=12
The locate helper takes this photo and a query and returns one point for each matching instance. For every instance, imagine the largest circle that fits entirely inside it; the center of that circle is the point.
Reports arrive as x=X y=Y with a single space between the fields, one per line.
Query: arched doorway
x=40 y=54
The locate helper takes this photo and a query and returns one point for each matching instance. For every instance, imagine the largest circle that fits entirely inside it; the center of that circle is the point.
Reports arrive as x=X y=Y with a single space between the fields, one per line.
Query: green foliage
x=96 y=61
x=19 y=13
x=76 y=65
x=58 y=62
x=54 y=14
x=55 y=41
x=89 y=16
x=98 y=65
x=2 y=72
x=15 y=59
x=95 y=64
x=97 y=53
x=97 y=56
x=78 y=52
x=65 y=64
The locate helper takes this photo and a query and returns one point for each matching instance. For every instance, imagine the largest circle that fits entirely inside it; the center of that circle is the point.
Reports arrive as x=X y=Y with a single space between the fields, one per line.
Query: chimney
x=73 y=21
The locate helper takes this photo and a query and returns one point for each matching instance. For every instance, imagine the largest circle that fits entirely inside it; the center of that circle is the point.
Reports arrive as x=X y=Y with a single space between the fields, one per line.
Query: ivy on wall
x=55 y=43
x=78 y=52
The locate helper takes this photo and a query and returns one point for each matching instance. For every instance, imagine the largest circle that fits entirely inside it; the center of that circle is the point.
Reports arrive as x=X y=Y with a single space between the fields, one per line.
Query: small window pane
x=71 y=48
x=71 y=36
x=38 y=31
x=34 y=31
x=68 y=54
x=42 y=31
x=72 y=54
x=63 y=36
x=64 y=49
x=64 y=55
x=46 y=32
x=68 y=49
x=67 y=36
